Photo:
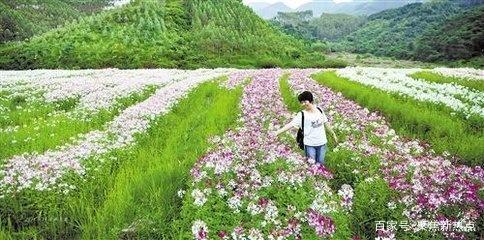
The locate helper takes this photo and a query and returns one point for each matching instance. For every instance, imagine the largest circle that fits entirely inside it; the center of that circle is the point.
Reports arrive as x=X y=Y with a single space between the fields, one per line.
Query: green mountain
x=21 y=19
x=166 y=33
x=332 y=27
x=327 y=27
x=405 y=31
x=462 y=37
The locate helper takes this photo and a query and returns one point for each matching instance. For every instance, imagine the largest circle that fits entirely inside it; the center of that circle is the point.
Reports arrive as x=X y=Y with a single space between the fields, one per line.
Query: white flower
x=235 y=203
x=255 y=234
x=96 y=89
x=199 y=197
x=181 y=193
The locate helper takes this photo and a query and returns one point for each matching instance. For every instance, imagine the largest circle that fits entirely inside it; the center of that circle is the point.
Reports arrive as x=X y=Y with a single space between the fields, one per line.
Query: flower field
x=190 y=154
x=456 y=97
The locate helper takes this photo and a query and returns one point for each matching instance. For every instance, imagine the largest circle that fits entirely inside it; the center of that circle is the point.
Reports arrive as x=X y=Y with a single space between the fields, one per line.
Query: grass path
x=21 y=110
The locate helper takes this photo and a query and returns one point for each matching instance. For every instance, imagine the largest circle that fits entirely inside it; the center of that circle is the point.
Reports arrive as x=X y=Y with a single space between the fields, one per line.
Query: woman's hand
x=285 y=128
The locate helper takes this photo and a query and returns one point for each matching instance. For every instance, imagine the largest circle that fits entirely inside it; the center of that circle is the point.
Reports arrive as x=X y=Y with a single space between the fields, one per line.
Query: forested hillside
x=411 y=32
x=171 y=33
x=462 y=37
x=21 y=19
x=327 y=27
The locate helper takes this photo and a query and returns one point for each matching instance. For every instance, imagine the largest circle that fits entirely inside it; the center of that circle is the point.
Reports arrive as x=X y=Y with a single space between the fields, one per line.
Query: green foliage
x=332 y=27
x=327 y=27
x=459 y=38
x=319 y=47
x=334 y=63
x=289 y=98
x=151 y=34
x=431 y=31
x=370 y=205
x=475 y=62
x=416 y=119
x=295 y=23
x=22 y=19
x=351 y=168
x=269 y=62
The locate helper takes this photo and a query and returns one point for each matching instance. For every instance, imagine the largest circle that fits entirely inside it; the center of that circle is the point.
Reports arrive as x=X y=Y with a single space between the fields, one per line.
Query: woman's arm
x=285 y=128
x=330 y=130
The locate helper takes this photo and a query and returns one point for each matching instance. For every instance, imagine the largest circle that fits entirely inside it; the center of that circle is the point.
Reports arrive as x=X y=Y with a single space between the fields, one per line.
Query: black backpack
x=300 y=132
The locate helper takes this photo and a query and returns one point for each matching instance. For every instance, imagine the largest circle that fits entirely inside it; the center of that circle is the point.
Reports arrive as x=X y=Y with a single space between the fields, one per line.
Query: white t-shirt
x=314 y=133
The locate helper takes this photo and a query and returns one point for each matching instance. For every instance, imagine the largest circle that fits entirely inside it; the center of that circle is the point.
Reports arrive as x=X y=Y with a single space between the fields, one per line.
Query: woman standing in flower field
x=314 y=126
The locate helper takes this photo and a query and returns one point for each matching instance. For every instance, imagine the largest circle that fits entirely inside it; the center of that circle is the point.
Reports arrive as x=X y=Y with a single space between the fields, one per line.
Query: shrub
x=350 y=168
x=319 y=47
x=334 y=63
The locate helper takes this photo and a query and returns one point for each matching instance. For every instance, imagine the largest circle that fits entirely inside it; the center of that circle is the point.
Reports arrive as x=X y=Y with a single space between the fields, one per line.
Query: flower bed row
x=41 y=133
x=431 y=76
x=129 y=192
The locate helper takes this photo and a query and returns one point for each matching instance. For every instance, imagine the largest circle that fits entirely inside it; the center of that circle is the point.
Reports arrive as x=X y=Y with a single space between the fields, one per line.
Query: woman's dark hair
x=305 y=96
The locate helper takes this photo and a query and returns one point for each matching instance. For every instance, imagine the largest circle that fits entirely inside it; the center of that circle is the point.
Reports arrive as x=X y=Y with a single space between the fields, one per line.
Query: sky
x=290 y=3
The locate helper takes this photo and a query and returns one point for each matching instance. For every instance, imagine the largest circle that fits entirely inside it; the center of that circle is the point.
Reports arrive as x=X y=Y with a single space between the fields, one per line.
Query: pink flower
x=199 y=230
x=324 y=226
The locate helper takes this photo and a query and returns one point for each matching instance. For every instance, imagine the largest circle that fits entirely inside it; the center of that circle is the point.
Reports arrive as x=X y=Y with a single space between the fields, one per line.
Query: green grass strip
x=143 y=193
x=438 y=78
x=289 y=98
x=61 y=129
x=5 y=235
x=20 y=112
x=410 y=118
